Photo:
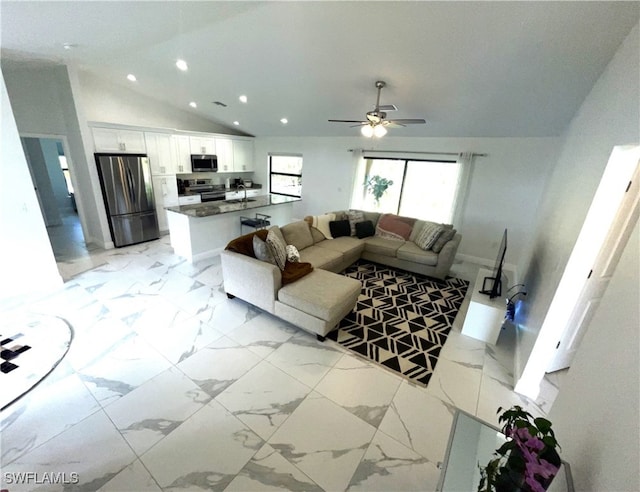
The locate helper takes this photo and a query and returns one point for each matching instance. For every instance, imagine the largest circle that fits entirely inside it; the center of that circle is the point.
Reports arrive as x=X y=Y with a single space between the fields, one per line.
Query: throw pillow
x=262 y=250
x=244 y=244
x=393 y=226
x=355 y=216
x=444 y=238
x=365 y=229
x=293 y=255
x=277 y=246
x=429 y=235
x=417 y=229
x=340 y=228
x=321 y=222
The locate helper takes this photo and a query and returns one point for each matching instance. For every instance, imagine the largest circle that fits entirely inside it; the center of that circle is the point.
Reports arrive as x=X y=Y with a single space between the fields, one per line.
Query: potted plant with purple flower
x=528 y=461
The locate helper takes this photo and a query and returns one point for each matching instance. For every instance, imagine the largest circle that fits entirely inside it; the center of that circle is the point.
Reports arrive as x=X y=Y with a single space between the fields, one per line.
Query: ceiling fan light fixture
x=367 y=131
x=379 y=131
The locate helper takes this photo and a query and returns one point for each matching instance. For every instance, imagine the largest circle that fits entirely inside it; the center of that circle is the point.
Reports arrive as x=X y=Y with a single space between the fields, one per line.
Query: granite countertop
x=207 y=209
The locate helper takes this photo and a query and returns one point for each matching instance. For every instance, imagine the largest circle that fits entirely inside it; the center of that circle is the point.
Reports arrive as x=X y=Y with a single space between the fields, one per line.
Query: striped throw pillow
x=429 y=235
x=277 y=246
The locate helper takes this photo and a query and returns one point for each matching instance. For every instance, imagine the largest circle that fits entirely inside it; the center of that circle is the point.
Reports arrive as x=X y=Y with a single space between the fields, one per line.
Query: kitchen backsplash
x=215 y=178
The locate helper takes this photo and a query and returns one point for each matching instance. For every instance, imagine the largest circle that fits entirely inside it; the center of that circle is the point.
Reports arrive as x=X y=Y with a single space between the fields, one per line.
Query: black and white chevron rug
x=401 y=319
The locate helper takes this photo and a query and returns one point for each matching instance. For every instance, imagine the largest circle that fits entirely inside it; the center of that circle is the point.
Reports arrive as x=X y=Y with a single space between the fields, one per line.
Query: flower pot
x=513 y=477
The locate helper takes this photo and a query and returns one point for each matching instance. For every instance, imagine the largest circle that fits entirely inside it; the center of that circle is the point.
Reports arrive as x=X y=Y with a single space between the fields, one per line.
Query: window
x=285 y=174
x=425 y=189
x=65 y=171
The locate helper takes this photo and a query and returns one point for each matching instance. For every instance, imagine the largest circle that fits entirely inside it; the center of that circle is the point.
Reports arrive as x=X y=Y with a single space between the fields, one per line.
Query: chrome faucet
x=245 y=191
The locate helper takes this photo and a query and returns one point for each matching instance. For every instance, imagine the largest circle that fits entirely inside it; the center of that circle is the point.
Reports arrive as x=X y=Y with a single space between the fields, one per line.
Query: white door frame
x=573 y=279
x=626 y=213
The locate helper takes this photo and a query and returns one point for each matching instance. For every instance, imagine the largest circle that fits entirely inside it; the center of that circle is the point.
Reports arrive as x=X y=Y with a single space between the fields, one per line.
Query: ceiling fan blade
x=348 y=121
x=388 y=107
x=393 y=124
x=408 y=121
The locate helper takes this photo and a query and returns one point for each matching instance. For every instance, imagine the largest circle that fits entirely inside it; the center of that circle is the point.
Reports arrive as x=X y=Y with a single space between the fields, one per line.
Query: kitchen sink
x=241 y=201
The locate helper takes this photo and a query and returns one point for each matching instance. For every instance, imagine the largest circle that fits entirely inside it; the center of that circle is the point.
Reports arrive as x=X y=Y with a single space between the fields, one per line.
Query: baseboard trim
x=204 y=255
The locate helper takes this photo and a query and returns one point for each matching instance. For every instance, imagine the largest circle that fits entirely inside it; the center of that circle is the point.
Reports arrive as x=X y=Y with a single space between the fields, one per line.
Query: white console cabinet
x=485 y=316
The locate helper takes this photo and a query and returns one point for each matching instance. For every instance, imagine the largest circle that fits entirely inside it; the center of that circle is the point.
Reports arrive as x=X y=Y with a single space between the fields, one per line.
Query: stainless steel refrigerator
x=128 y=196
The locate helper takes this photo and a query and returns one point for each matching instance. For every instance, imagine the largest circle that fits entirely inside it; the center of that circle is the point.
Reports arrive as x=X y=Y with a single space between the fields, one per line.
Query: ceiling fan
x=376 y=123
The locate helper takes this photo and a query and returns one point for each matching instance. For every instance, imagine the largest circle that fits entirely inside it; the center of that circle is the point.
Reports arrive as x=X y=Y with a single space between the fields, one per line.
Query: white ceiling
x=494 y=69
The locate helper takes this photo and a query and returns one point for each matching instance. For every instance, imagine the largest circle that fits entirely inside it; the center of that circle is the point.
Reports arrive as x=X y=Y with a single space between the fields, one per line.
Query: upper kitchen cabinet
x=161 y=152
x=116 y=140
x=182 y=149
x=243 y=155
x=203 y=145
x=224 y=152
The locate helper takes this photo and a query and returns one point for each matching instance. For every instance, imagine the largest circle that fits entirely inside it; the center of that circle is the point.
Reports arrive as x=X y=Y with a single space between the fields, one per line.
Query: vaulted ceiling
x=500 y=69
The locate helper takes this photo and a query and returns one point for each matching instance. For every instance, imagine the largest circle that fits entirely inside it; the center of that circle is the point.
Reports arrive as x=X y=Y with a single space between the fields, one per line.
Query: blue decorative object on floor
x=32 y=345
x=401 y=319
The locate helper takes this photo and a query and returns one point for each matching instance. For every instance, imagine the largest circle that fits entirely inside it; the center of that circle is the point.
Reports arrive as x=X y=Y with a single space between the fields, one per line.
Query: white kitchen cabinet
x=161 y=152
x=203 y=145
x=243 y=155
x=165 y=193
x=224 y=151
x=189 y=199
x=116 y=140
x=182 y=149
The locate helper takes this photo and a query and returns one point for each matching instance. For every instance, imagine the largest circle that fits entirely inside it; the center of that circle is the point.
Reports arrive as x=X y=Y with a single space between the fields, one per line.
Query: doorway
x=609 y=222
x=48 y=162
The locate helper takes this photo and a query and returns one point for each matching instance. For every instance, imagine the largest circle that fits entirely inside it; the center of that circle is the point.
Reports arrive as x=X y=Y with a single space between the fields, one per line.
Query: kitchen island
x=201 y=230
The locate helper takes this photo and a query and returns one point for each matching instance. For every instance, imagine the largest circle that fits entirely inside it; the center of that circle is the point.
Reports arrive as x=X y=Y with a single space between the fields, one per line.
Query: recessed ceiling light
x=182 y=65
x=284 y=121
x=69 y=46
x=237 y=123
x=243 y=99
x=193 y=104
x=131 y=77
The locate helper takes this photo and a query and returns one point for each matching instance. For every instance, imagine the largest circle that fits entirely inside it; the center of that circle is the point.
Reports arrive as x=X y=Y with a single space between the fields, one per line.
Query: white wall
x=109 y=103
x=609 y=116
x=505 y=187
x=43 y=105
x=597 y=412
x=26 y=258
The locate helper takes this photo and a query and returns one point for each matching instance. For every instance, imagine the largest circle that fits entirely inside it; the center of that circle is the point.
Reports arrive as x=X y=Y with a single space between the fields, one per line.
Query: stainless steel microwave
x=204 y=163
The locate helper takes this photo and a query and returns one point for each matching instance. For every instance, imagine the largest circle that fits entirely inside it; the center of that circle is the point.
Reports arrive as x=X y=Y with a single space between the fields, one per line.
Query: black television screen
x=492 y=286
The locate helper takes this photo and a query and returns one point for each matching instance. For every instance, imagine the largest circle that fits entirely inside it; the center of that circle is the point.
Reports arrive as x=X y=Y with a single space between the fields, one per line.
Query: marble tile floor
x=67 y=239
x=169 y=385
